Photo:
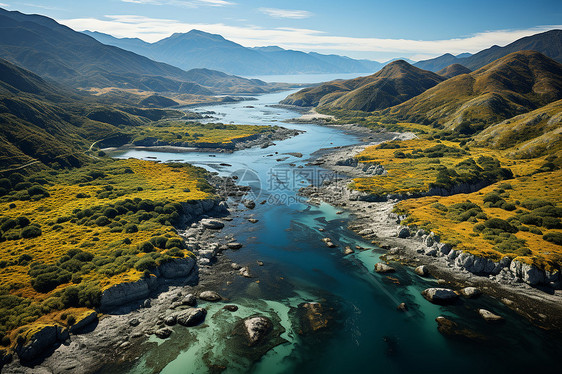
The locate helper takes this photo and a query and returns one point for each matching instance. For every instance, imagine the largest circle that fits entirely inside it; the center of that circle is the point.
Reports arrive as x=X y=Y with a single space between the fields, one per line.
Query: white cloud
x=154 y=29
x=286 y=13
x=187 y=3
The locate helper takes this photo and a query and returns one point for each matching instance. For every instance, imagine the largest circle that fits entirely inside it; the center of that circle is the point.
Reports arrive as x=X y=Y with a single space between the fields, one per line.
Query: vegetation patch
x=193 y=133
x=519 y=219
x=83 y=230
x=417 y=165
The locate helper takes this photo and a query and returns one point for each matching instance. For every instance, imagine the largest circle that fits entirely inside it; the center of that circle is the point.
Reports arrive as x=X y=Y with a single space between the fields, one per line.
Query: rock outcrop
x=313 y=317
x=125 y=293
x=470 y=292
x=257 y=328
x=128 y=292
x=439 y=295
x=45 y=338
x=88 y=319
x=421 y=271
x=210 y=296
x=489 y=316
x=191 y=317
x=381 y=267
x=505 y=271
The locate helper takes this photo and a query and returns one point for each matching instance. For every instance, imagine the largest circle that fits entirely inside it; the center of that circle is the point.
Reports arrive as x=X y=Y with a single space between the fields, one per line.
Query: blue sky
x=358 y=28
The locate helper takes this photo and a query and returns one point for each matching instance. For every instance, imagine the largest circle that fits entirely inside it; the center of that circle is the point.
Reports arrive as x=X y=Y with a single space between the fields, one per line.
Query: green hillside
x=394 y=84
x=512 y=85
x=532 y=134
x=48 y=124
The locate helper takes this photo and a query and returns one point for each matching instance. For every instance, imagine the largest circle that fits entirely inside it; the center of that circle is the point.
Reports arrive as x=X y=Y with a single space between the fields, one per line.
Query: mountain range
x=457 y=99
x=548 y=43
x=197 y=49
x=394 y=84
x=61 y=54
x=512 y=85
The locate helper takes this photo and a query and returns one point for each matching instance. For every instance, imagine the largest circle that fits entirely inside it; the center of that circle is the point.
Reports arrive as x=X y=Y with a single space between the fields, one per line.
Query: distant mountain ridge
x=394 y=84
x=548 y=43
x=56 y=52
x=197 y=49
x=453 y=70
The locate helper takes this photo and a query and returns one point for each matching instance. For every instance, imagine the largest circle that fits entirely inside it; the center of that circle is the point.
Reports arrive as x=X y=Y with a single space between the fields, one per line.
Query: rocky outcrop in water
x=440 y=295
x=470 y=292
x=312 y=317
x=191 y=317
x=210 y=296
x=452 y=329
x=381 y=267
x=257 y=328
x=489 y=316
x=422 y=271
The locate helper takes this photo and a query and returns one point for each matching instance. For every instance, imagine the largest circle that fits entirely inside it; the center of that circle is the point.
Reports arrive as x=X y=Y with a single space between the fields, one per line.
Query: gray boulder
x=432 y=252
x=439 y=295
x=191 y=317
x=256 y=328
x=190 y=300
x=470 y=292
x=444 y=248
x=212 y=224
x=163 y=333
x=249 y=204
x=170 y=320
x=422 y=271
x=404 y=232
x=210 y=296
x=381 y=267
x=532 y=275
x=489 y=316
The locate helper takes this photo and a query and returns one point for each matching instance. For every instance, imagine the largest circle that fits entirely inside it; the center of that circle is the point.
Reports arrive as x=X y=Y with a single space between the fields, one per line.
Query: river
x=366 y=332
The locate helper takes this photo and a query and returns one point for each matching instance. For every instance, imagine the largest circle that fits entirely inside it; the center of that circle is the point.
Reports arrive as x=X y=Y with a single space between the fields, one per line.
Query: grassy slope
x=532 y=134
x=510 y=86
x=394 y=84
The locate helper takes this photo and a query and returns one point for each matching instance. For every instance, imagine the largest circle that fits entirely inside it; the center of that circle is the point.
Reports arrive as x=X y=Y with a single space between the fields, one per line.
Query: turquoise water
x=367 y=333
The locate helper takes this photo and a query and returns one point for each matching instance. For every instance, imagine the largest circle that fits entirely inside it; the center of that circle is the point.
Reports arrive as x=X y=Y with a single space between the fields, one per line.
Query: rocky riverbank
x=530 y=291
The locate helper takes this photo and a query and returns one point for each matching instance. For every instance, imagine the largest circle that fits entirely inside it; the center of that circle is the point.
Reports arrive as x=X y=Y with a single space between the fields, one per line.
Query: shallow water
x=367 y=333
